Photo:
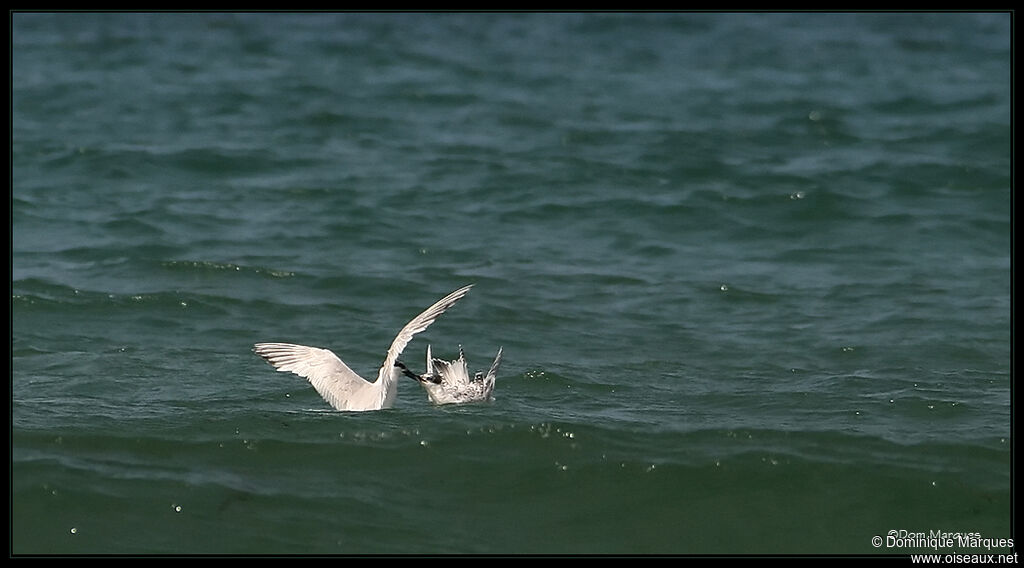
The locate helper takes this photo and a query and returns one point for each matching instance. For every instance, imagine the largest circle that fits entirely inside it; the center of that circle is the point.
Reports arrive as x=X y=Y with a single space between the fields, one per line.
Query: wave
x=319 y=481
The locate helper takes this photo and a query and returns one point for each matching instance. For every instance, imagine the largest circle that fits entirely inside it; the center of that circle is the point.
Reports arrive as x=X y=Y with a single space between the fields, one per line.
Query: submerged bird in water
x=340 y=386
x=448 y=382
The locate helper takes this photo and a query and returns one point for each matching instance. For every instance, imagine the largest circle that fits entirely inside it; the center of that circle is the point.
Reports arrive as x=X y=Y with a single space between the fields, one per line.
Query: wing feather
x=416 y=325
x=430 y=363
x=454 y=372
x=492 y=374
x=331 y=377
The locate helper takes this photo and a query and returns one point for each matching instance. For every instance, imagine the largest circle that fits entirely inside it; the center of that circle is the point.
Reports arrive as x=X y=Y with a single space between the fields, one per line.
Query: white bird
x=448 y=382
x=340 y=386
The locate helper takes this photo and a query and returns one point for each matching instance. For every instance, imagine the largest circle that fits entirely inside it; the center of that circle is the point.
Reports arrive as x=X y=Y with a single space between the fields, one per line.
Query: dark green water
x=751 y=274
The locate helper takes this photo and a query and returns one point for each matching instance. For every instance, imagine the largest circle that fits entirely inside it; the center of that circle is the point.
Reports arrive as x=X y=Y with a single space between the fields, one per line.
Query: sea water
x=751 y=274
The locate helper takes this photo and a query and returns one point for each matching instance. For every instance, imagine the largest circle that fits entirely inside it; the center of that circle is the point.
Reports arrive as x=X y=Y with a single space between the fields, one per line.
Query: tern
x=448 y=382
x=340 y=386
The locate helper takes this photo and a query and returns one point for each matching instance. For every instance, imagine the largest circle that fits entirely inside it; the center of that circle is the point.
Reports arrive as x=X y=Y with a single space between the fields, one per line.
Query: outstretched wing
x=493 y=372
x=332 y=378
x=418 y=324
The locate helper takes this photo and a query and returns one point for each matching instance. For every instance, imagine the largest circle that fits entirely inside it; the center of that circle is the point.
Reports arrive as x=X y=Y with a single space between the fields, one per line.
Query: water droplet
x=814 y=115
x=723 y=288
x=74 y=530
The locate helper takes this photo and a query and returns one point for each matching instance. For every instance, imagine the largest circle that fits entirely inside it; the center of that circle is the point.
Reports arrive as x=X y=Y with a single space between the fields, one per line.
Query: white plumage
x=448 y=382
x=342 y=387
